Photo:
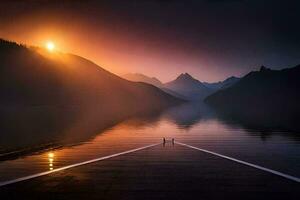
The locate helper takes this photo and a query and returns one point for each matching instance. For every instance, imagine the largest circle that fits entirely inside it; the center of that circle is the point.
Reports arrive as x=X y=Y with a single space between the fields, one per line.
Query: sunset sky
x=211 y=40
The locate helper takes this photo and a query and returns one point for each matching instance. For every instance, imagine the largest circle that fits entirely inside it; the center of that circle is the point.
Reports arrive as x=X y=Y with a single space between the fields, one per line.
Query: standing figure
x=164 y=141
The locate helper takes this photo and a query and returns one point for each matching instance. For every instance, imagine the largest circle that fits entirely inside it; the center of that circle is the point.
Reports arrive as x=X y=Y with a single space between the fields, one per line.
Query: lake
x=194 y=124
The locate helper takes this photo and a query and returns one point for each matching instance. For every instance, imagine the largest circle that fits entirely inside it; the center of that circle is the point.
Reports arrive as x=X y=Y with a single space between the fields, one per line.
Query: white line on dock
x=293 y=178
x=74 y=165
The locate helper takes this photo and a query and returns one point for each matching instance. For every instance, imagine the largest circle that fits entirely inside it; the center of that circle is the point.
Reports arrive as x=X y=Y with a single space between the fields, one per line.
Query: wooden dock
x=160 y=172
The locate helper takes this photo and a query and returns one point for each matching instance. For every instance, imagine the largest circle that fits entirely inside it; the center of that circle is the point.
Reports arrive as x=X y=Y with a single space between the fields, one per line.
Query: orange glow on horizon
x=108 y=50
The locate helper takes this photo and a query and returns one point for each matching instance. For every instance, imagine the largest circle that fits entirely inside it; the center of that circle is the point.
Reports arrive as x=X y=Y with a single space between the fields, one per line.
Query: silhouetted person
x=164 y=141
x=173 y=141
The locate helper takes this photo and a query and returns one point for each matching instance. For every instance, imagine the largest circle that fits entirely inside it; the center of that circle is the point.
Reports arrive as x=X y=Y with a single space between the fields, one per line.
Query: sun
x=50 y=46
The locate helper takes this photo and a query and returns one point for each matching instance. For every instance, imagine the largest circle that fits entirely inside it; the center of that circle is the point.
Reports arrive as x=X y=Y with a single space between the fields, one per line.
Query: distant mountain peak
x=263 y=68
x=231 y=77
x=222 y=84
x=185 y=76
x=138 y=77
x=189 y=87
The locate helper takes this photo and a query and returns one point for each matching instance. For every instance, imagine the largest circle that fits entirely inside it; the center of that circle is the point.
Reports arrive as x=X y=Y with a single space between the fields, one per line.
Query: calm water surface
x=194 y=124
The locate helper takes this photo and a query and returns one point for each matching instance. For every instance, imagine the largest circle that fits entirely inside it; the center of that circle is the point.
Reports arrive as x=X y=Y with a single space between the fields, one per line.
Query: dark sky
x=209 y=39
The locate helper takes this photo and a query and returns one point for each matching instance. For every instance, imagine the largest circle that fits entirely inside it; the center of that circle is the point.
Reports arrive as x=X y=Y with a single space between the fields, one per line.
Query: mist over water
x=95 y=135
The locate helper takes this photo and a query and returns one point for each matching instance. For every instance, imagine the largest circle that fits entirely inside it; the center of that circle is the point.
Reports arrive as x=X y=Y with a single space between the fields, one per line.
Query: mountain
x=33 y=76
x=53 y=98
x=222 y=84
x=189 y=87
x=136 y=77
x=263 y=94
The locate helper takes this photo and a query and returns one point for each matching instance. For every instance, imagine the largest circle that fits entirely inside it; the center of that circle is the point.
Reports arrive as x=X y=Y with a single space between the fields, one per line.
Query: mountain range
x=137 y=77
x=36 y=77
x=184 y=86
x=53 y=98
x=222 y=84
x=263 y=94
x=266 y=97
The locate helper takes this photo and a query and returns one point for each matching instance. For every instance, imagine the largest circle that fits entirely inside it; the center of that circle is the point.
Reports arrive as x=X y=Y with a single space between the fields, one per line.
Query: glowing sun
x=50 y=46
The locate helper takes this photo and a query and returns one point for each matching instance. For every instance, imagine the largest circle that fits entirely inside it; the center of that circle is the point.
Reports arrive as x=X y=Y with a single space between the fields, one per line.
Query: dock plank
x=161 y=172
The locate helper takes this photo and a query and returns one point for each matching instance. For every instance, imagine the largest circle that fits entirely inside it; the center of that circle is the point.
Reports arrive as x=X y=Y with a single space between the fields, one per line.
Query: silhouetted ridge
x=137 y=77
x=263 y=68
x=263 y=94
x=37 y=77
x=222 y=84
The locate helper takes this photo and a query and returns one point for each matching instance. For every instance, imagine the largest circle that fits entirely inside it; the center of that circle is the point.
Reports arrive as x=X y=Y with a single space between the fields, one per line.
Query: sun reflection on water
x=51 y=159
